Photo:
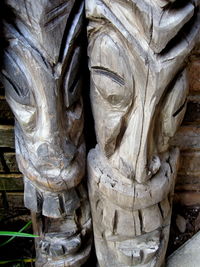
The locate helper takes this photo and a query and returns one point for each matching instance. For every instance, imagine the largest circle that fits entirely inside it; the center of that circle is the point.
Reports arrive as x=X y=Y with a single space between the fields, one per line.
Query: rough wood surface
x=42 y=75
x=138 y=52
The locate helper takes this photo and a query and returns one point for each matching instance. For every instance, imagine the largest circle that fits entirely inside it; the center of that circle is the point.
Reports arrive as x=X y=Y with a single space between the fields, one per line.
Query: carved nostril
x=43 y=150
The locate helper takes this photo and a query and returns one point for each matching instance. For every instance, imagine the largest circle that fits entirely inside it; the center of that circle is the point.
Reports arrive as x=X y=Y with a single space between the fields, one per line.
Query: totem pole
x=138 y=51
x=43 y=77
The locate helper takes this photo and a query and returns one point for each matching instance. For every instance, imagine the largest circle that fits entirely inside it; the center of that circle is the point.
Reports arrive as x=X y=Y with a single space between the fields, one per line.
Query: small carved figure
x=42 y=74
x=138 y=51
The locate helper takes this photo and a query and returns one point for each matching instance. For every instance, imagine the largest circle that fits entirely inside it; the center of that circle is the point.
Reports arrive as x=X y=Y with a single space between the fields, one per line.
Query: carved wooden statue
x=42 y=74
x=138 y=51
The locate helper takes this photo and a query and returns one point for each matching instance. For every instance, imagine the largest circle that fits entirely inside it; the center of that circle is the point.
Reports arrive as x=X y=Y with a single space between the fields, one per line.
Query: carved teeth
x=129 y=219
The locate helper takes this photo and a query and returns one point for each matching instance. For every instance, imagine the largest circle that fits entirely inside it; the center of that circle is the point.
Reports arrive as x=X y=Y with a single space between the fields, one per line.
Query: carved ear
x=173 y=110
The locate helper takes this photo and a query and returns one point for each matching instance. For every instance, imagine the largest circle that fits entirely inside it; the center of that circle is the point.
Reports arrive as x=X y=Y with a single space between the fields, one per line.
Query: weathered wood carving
x=42 y=74
x=138 y=51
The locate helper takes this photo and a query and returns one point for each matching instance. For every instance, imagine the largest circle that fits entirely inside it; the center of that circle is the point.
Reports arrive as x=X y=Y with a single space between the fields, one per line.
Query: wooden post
x=42 y=74
x=138 y=52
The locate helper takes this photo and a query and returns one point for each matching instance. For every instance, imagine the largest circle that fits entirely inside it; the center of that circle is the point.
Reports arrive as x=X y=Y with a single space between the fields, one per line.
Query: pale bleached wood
x=138 y=52
x=42 y=74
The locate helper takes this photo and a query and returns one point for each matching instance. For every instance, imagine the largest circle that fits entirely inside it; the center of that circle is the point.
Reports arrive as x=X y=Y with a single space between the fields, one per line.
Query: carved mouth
x=54 y=179
x=132 y=219
x=139 y=251
x=129 y=194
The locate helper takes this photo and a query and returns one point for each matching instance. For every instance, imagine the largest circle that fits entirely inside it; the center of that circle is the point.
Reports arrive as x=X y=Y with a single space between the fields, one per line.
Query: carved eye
x=13 y=71
x=175 y=105
x=112 y=87
x=111 y=72
x=18 y=92
x=173 y=110
x=114 y=99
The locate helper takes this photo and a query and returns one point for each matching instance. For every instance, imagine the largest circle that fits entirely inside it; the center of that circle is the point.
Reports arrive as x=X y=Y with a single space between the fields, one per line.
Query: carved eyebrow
x=112 y=75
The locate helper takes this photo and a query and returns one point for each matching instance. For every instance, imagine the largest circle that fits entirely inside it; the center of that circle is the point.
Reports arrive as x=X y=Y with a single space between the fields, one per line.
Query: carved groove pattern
x=138 y=52
x=43 y=79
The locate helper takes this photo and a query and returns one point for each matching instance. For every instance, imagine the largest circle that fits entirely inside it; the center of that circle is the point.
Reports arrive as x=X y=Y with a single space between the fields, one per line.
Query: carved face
x=46 y=103
x=138 y=94
x=137 y=107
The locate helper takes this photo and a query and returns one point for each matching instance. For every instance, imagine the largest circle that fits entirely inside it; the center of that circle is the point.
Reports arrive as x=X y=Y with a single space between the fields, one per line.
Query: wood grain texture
x=42 y=75
x=138 y=52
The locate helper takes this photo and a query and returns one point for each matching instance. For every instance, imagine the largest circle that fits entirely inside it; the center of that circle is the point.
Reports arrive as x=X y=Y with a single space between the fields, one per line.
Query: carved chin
x=54 y=179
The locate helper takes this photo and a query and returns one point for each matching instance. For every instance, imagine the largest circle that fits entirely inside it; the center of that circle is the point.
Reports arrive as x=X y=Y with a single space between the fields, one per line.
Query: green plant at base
x=14 y=235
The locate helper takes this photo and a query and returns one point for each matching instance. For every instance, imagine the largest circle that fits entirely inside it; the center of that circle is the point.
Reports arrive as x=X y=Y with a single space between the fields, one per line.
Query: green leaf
x=16 y=234
x=21 y=230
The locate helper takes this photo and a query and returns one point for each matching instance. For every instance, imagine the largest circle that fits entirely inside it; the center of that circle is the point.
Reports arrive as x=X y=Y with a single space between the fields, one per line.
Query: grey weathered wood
x=138 y=52
x=42 y=76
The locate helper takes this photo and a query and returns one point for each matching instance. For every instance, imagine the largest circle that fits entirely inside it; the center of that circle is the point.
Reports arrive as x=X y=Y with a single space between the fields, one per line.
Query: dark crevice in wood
x=181 y=35
x=70 y=21
x=176 y=5
x=161 y=212
x=170 y=166
x=62 y=208
x=179 y=109
x=141 y=222
x=76 y=79
x=55 y=13
x=115 y=222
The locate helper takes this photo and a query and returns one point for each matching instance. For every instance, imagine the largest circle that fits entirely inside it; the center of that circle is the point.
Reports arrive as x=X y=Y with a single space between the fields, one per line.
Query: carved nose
x=51 y=153
x=48 y=157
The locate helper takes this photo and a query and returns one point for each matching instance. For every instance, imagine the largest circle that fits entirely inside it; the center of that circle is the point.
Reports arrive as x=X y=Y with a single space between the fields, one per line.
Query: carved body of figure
x=137 y=53
x=43 y=78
